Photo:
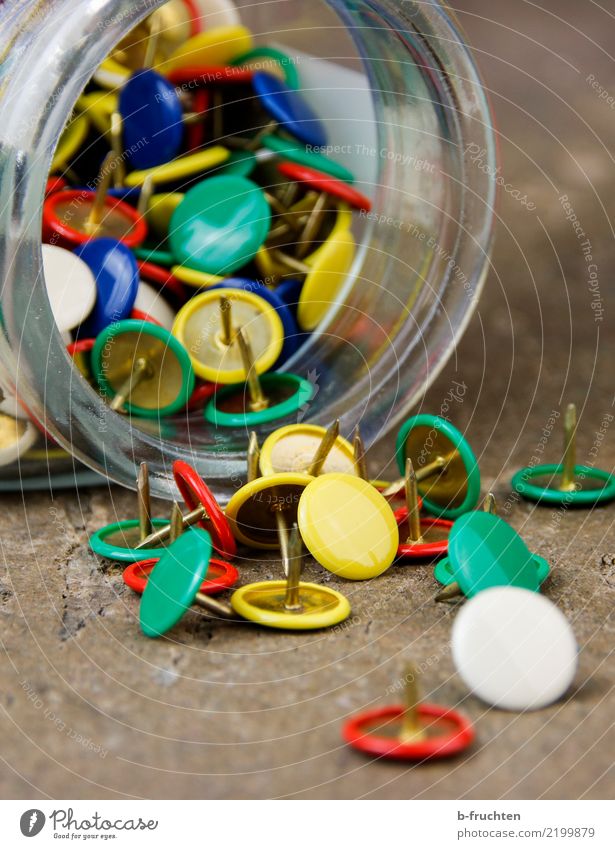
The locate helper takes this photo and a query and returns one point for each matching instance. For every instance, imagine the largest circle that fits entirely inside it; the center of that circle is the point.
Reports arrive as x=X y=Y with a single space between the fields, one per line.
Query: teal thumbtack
x=570 y=489
x=443 y=571
x=484 y=552
x=175 y=581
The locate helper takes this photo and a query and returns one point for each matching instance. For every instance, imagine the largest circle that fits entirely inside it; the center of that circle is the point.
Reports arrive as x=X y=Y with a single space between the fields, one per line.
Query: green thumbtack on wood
x=570 y=489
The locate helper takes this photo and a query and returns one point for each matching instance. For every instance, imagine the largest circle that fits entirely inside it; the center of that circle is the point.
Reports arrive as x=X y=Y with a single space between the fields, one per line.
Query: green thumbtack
x=444 y=573
x=570 y=488
x=484 y=552
x=175 y=581
x=446 y=469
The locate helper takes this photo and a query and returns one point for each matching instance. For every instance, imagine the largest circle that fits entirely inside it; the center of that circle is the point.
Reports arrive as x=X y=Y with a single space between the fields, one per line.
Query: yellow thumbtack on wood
x=143 y=499
x=322 y=452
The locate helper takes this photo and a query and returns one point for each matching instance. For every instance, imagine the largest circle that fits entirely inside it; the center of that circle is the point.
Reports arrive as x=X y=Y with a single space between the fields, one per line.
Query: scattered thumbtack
x=485 y=551
x=204 y=511
x=514 y=649
x=414 y=731
x=447 y=472
x=426 y=537
x=571 y=489
x=291 y=604
x=174 y=584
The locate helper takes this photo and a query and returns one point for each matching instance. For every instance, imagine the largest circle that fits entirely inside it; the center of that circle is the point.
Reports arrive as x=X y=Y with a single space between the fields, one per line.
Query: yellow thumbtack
x=307 y=448
x=571 y=489
x=291 y=604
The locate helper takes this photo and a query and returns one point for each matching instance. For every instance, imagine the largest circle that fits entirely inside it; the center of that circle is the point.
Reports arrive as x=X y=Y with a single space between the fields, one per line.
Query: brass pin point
x=145 y=195
x=141 y=371
x=568 y=483
x=258 y=400
x=412 y=504
x=436 y=466
x=117 y=148
x=103 y=185
x=216 y=608
x=292 y=600
x=283 y=536
x=227 y=335
x=322 y=452
x=176 y=523
x=312 y=226
x=360 y=460
x=254 y=454
x=143 y=500
x=411 y=729
x=453 y=590
x=162 y=534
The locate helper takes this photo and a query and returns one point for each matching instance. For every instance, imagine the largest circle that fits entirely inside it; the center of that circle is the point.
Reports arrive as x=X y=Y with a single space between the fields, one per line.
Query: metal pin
x=290 y=219
x=155 y=24
x=143 y=500
x=489 y=505
x=102 y=188
x=292 y=600
x=322 y=452
x=226 y=320
x=258 y=400
x=312 y=226
x=176 y=523
x=217 y=608
x=568 y=483
x=411 y=730
x=290 y=261
x=360 y=461
x=253 y=143
x=117 y=148
x=412 y=504
x=450 y=591
x=437 y=465
x=254 y=454
x=145 y=195
x=283 y=537
x=142 y=370
x=162 y=534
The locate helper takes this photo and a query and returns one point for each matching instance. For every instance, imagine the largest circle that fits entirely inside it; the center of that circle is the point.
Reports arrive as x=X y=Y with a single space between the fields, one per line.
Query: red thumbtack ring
x=163 y=278
x=220 y=576
x=196 y=493
x=74 y=203
x=449 y=733
x=430 y=547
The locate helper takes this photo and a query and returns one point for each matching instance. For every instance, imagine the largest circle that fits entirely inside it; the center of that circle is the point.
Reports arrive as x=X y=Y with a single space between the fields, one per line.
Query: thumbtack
x=291 y=604
x=427 y=538
x=307 y=448
x=117 y=150
x=415 y=731
x=447 y=472
x=485 y=551
x=142 y=368
x=174 y=584
x=72 y=216
x=204 y=510
x=258 y=401
x=571 y=489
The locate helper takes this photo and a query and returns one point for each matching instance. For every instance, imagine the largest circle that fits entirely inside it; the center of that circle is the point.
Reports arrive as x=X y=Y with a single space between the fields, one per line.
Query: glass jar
x=398 y=91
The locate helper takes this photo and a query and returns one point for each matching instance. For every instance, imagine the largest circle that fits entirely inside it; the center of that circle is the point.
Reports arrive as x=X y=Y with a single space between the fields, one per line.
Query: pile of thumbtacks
x=193 y=167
